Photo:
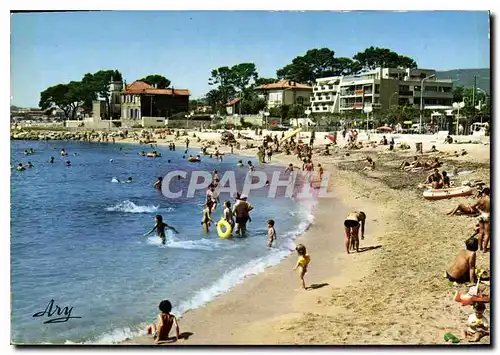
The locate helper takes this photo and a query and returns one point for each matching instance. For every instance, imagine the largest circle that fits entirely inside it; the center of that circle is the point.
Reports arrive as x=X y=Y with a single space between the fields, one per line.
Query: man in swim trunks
x=241 y=211
x=351 y=224
x=483 y=206
x=462 y=270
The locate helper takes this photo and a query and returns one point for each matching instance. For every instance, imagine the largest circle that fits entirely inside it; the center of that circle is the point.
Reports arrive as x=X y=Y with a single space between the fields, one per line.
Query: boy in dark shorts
x=160 y=229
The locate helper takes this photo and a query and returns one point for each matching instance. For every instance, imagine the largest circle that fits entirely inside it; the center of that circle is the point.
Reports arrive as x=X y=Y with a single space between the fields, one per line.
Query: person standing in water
x=271 y=233
x=228 y=214
x=51 y=160
x=160 y=229
x=241 y=211
x=351 y=224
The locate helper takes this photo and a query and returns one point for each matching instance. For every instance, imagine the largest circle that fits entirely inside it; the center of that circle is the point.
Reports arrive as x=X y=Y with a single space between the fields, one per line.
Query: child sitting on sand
x=165 y=323
x=160 y=229
x=271 y=233
x=370 y=165
x=302 y=262
x=478 y=324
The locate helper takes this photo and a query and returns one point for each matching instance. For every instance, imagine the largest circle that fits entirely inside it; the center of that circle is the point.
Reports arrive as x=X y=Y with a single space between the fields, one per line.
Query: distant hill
x=465 y=77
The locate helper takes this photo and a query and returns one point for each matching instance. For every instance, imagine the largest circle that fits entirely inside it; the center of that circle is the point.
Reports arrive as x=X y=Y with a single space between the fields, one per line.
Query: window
x=300 y=100
x=377 y=88
x=430 y=88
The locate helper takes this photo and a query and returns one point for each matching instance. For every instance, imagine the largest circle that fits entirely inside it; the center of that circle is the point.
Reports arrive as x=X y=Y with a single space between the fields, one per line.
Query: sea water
x=77 y=239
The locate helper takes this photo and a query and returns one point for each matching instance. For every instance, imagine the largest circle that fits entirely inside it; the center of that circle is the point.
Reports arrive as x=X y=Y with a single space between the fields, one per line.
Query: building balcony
x=434 y=95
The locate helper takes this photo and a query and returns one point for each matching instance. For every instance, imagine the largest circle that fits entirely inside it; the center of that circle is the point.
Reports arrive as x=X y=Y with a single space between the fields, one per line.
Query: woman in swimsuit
x=351 y=224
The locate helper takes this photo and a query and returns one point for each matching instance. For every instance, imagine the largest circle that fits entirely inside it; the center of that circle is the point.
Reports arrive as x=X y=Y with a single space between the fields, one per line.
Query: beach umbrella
x=384 y=129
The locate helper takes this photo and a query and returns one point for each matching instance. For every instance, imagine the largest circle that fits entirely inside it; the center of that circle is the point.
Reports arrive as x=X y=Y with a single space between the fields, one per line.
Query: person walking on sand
x=351 y=224
x=302 y=263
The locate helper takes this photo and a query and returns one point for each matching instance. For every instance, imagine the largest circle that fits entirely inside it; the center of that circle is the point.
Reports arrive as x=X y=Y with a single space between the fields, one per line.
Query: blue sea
x=77 y=239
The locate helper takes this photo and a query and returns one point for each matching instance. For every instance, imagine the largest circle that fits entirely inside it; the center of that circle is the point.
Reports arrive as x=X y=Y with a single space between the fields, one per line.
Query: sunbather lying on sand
x=464 y=209
x=408 y=166
x=432 y=164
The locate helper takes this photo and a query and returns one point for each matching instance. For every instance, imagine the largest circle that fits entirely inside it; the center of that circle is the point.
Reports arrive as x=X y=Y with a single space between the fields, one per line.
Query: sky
x=52 y=48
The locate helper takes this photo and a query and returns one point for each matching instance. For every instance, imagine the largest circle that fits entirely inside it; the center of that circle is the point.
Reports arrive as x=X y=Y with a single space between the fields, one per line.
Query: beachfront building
x=285 y=92
x=233 y=106
x=381 y=88
x=140 y=99
x=136 y=104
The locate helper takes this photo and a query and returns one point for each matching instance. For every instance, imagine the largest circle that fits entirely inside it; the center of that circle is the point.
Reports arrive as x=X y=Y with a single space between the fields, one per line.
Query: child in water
x=206 y=219
x=271 y=233
x=302 y=262
x=160 y=229
x=165 y=323
x=228 y=214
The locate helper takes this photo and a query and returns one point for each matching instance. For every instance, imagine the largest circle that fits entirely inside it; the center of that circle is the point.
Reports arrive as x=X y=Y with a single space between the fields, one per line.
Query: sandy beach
x=392 y=292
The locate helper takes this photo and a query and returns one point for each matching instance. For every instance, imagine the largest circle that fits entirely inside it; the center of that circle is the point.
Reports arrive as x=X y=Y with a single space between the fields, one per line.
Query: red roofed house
x=286 y=92
x=139 y=100
x=233 y=106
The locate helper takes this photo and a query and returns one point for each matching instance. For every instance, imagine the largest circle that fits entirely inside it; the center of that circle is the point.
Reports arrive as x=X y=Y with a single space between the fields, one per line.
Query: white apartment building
x=381 y=88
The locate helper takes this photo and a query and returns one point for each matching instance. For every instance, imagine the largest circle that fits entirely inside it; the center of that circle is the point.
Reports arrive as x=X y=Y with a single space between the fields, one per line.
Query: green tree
x=96 y=86
x=67 y=97
x=242 y=74
x=252 y=106
x=264 y=81
x=156 y=79
x=374 y=57
x=316 y=63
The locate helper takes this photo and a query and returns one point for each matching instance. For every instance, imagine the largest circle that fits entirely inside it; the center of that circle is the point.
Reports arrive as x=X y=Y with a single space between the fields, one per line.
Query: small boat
x=439 y=194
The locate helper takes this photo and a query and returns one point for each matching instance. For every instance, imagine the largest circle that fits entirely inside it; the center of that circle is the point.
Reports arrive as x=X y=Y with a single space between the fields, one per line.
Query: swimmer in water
x=157 y=184
x=129 y=180
x=169 y=161
x=31 y=151
x=20 y=167
x=51 y=160
x=29 y=165
x=160 y=229
x=63 y=152
x=68 y=163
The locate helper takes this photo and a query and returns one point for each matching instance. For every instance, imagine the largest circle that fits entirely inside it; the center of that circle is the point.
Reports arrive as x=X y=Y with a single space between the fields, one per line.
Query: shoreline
x=370 y=282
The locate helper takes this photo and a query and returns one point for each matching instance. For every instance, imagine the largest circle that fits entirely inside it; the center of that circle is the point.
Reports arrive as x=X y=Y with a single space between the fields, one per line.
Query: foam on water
x=130 y=207
x=201 y=244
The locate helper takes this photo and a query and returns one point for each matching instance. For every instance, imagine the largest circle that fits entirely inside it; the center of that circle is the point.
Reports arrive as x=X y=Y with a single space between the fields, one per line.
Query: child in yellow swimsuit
x=302 y=262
